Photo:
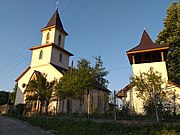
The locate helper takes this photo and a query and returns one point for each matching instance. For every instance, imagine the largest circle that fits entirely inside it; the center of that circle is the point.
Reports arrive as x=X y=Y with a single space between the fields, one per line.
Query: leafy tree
x=78 y=81
x=12 y=95
x=148 y=87
x=100 y=72
x=4 y=96
x=170 y=35
x=41 y=90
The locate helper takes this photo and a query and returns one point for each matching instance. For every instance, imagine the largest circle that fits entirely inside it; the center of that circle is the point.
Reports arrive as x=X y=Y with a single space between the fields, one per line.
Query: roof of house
x=17 y=79
x=122 y=92
x=54 y=45
x=101 y=87
x=60 y=69
x=146 y=44
x=55 y=21
x=170 y=83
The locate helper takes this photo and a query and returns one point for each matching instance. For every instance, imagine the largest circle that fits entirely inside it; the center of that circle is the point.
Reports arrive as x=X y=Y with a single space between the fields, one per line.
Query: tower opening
x=47 y=38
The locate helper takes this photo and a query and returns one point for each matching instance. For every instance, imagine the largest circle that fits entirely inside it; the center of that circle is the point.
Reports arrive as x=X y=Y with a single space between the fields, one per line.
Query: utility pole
x=155 y=105
x=115 y=118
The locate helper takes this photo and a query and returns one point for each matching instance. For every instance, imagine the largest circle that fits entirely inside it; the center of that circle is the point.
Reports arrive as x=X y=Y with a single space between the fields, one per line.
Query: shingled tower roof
x=55 y=21
x=146 y=44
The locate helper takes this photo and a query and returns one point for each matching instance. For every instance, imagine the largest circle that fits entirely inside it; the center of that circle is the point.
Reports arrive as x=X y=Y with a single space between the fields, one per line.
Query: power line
x=4 y=67
x=79 y=12
x=114 y=69
x=70 y=3
x=10 y=51
x=93 y=14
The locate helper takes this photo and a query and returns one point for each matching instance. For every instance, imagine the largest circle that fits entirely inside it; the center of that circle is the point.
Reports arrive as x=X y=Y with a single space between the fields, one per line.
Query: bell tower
x=52 y=50
x=54 y=32
x=148 y=54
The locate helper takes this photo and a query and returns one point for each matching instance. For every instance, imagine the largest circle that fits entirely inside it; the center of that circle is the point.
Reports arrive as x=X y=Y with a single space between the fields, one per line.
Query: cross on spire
x=57 y=4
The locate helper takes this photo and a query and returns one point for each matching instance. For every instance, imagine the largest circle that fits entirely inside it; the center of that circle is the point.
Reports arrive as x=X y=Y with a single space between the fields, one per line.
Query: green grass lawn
x=67 y=126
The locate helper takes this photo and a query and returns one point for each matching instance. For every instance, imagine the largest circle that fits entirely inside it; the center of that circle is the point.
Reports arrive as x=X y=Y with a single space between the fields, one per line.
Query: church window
x=23 y=85
x=59 y=40
x=41 y=54
x=60 y=57
x=47 y=38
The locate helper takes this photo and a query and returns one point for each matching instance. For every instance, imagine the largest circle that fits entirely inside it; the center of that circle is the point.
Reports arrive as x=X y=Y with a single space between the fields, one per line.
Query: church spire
x=146 y=40
x=55 y=21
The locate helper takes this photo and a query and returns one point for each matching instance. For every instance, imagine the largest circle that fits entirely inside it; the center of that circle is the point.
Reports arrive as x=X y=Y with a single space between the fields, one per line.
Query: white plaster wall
x=135 y=103
x=55 y=58
x=144 y=67
x=57 y=32
x=35 y=61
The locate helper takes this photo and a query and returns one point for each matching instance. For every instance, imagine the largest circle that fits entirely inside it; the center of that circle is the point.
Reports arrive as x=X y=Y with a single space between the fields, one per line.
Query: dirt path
x=11 y=126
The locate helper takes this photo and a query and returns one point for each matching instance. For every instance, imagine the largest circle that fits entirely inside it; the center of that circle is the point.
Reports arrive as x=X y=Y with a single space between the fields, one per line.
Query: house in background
x=51 y=58
x=148 y=54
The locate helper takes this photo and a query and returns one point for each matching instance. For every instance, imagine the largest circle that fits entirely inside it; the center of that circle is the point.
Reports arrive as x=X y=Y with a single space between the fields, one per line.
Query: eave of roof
x=148 y=50
x=122 y=92
x=173 y=83
x=51 y=44
x=100 y=87
x=60 y=69
x=19 y=77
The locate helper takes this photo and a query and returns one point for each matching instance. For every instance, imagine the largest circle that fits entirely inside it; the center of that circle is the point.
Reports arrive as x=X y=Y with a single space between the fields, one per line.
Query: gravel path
x=12 y=126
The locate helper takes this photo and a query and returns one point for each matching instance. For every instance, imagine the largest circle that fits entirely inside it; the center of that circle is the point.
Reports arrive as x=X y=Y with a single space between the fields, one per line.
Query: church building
x=51 y=58
x=142 y=57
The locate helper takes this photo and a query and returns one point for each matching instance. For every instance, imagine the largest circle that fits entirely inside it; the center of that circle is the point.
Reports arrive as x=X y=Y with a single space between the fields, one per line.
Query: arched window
x=47 y=38
x=59 y=40
x=41 y=54
x=60 y=57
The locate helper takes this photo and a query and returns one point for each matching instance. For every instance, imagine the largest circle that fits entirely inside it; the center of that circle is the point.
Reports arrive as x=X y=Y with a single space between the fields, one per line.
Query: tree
x=4 y=97
x=78 y=81
x=40 y=90
x=100 y=72
x=12 y=95
x=148 y=87
x=170 y=36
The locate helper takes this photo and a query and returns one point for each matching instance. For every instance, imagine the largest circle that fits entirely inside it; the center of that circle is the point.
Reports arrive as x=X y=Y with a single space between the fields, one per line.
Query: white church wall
x=57 y=32
x=144 y=67
x=46 y=53
x=55 y=58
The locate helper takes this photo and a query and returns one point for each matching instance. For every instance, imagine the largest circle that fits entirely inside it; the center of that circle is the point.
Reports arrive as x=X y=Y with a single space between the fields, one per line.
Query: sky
x=106 y=28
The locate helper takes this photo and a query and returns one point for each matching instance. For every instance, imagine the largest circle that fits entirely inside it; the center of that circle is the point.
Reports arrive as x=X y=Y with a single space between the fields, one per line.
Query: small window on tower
x=60 y=57
x=47 y=38
x=41 y=54
x=59 y=40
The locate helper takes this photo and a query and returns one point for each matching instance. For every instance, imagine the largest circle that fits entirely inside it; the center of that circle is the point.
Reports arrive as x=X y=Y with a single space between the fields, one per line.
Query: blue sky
x=107 y=28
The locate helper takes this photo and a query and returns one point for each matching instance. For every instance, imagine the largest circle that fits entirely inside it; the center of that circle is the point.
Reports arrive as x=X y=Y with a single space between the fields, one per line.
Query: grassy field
x=67 y=126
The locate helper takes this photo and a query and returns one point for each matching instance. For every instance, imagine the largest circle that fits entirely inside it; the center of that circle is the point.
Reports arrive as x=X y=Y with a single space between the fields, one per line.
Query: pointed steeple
x=56 y=21
x=145 y=40
x=146 y=44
